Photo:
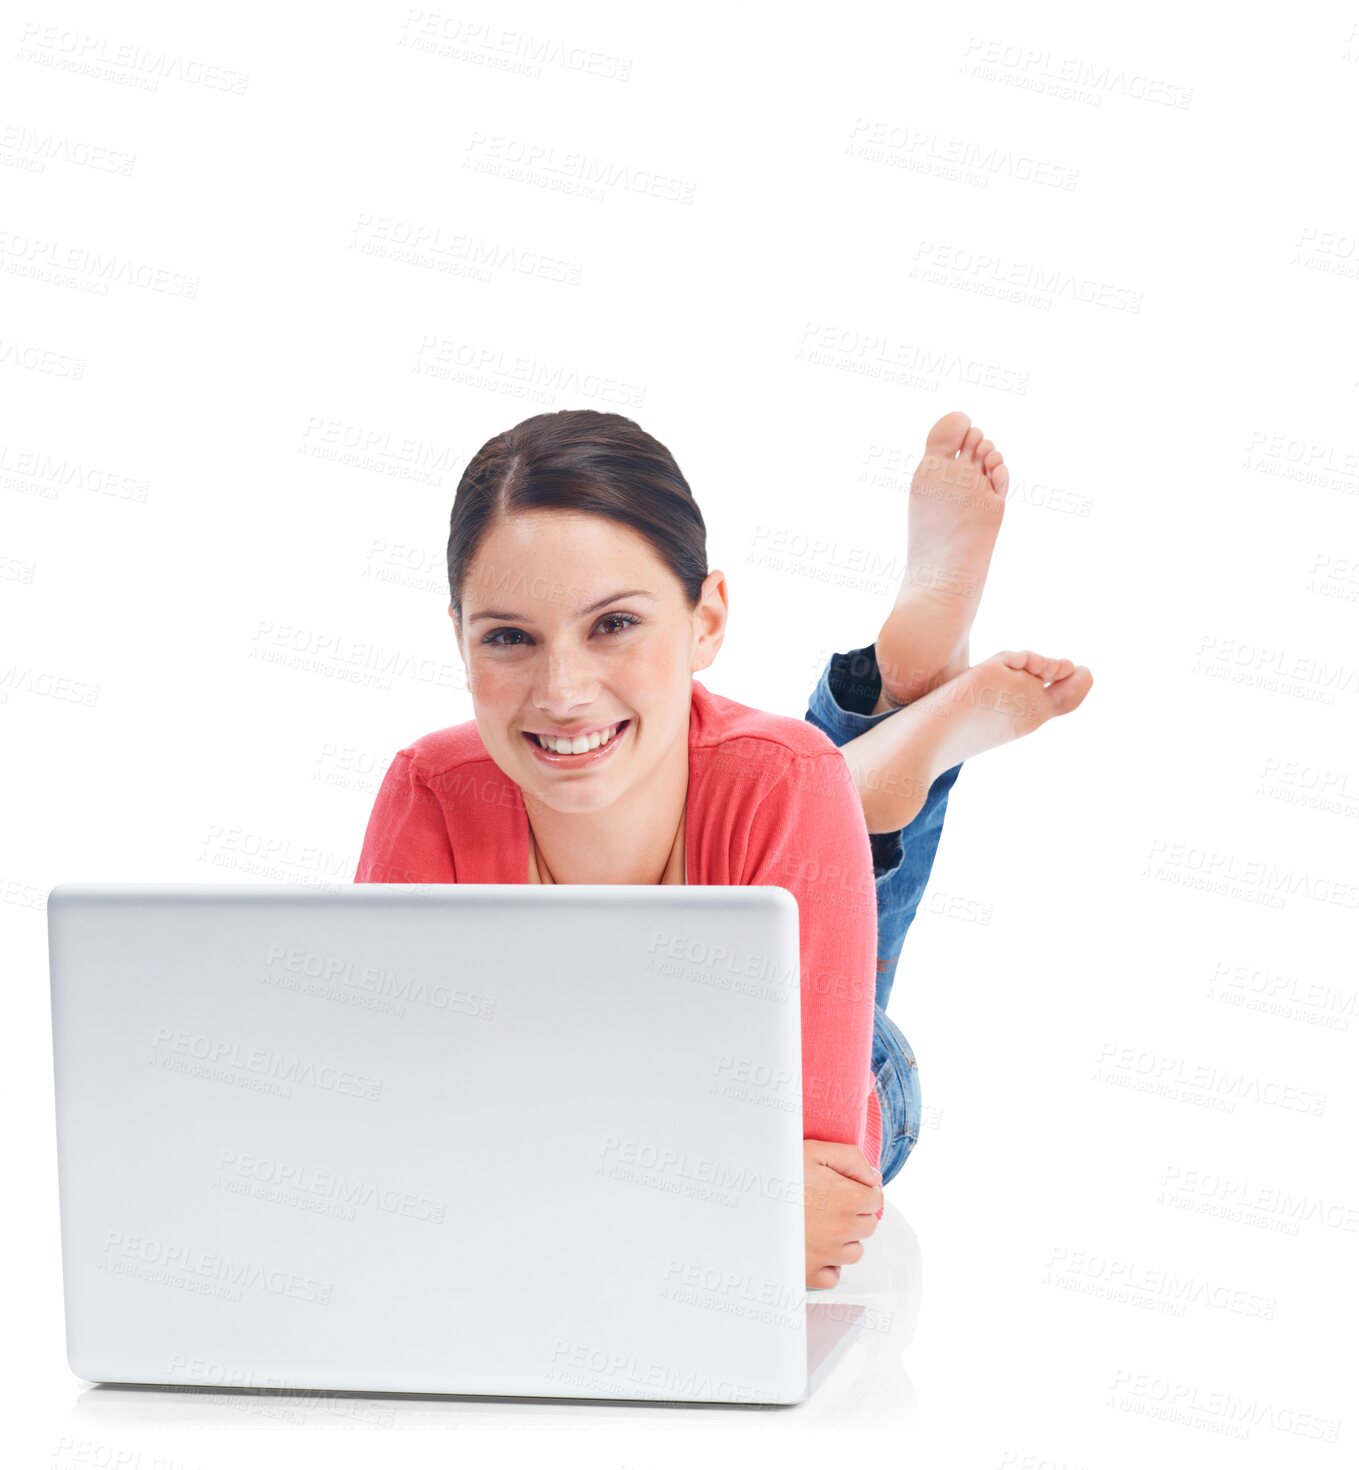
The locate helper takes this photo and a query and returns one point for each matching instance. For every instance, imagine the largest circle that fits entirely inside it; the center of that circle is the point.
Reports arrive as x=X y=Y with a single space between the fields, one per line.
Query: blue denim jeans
x=840 y=707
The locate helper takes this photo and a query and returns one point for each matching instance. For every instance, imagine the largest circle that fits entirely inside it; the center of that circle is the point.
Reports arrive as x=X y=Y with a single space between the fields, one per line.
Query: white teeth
x=579 y=745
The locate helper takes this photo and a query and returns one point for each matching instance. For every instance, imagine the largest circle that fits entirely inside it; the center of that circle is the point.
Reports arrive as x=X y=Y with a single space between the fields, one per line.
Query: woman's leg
x=955 y=507
x=840 y=707
x=904 y=774
x=912 y=766
x=898 y=1086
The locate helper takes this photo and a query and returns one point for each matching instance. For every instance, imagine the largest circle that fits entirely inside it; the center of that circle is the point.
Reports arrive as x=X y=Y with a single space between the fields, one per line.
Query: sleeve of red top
x=407 y=837
x=808 y=836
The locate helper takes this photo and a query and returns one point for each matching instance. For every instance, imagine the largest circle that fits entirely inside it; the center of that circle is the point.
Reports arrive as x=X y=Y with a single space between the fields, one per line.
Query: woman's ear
x=710 y=619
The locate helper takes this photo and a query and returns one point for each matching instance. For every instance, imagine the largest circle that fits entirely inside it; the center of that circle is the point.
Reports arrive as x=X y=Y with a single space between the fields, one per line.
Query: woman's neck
x=639 y=839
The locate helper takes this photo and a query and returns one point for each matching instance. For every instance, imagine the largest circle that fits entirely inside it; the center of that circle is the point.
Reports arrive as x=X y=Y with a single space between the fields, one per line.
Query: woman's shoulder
x=771 y=797
x=736 y=740
x=719 y=720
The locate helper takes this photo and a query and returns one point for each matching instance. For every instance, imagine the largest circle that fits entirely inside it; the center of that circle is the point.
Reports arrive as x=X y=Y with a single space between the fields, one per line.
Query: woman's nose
x=566 y=679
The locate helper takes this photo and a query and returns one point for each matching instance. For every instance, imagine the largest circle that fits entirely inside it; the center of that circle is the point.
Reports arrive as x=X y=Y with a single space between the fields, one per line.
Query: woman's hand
x=841 y=1193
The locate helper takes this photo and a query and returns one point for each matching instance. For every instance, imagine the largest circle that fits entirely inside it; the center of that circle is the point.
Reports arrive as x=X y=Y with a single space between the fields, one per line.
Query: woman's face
x=572 y=624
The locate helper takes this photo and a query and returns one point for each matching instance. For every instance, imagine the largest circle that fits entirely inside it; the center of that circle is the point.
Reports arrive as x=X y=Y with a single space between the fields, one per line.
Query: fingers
x=845 y=1158
x=844 y=1206
x=843 y=1197
x=843 y=1194
x=847 y=1253
x=855 y=1201
x=870 y=1211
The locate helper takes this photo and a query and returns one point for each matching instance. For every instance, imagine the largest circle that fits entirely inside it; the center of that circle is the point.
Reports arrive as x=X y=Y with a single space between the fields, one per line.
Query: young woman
x=583 y=607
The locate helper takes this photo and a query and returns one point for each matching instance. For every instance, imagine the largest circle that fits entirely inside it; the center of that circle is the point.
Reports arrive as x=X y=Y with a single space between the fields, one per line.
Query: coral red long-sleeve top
x=770 y=801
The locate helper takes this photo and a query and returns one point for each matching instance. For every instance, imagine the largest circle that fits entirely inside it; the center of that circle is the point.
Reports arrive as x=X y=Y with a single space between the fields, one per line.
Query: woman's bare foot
x=957 y=501
x=1008 y=695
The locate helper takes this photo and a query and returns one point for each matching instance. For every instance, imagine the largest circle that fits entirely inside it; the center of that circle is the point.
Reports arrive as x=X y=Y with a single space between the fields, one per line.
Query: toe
x=991 y=461
x=982 y=450
x=946 y=437
x=1000 y=478
x=1067 y=693
x=971 y=439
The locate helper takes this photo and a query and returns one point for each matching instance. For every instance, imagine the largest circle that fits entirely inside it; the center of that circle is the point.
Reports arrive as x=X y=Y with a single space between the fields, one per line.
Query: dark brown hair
x=579 y=459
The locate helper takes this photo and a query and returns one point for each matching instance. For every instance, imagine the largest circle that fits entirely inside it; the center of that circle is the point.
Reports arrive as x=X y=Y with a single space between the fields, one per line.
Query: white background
x=1123 y=1235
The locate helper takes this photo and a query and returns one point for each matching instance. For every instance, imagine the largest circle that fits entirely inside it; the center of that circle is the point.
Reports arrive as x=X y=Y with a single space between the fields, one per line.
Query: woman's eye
x=627 y=620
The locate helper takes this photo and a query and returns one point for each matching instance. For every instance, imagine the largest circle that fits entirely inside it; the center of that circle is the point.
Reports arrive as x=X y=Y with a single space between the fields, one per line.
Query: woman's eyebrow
x=514 y=617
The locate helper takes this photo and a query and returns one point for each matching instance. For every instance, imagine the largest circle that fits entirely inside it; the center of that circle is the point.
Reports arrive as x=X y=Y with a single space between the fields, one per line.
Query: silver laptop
x=451 y=1138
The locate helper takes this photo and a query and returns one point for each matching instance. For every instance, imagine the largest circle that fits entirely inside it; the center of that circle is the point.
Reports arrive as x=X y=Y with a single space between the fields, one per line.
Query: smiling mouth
x=581 y=745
